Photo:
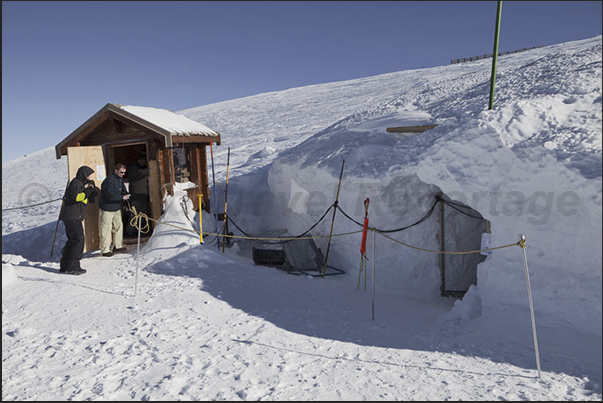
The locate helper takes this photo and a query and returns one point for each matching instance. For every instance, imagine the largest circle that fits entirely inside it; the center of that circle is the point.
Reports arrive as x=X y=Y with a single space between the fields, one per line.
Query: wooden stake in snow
x=373 y=274
x=333 y=221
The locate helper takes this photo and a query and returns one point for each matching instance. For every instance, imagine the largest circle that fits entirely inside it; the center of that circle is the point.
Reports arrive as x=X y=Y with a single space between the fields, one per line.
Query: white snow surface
x=185 y=321
x=170 y=121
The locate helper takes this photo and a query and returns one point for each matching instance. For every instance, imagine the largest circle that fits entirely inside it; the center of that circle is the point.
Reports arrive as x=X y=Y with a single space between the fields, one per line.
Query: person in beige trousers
x=113 y=193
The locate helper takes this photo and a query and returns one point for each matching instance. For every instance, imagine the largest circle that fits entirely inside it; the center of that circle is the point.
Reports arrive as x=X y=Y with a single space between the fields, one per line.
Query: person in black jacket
x=113 y=193
x=79 y=192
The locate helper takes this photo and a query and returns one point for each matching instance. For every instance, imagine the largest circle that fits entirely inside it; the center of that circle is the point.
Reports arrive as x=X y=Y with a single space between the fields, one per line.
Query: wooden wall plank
x=155 y=191
x=204 y=178
x=93 y=157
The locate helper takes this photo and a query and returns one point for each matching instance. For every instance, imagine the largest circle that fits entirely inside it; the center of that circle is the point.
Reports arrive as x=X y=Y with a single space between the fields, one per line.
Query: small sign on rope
x=486 y=243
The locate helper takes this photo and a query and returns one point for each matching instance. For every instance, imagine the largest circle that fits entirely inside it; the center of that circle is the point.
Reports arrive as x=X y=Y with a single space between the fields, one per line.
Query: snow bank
x=531 y=166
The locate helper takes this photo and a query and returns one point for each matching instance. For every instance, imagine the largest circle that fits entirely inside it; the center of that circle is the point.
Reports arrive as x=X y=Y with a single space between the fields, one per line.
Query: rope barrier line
x=452 y=253
x=284 y=239
x=425 y=217
x=460 y=211
x=33 y=205
x=145 y=228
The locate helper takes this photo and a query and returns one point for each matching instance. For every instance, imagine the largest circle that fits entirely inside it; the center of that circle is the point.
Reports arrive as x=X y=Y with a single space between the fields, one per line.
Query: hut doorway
x=127 y=154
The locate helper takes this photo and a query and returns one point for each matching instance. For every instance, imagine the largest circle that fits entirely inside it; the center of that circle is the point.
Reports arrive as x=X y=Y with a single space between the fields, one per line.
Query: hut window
x=182 y=164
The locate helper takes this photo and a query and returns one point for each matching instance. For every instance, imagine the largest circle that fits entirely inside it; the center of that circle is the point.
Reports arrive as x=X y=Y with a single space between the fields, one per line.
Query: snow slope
x=183 y=321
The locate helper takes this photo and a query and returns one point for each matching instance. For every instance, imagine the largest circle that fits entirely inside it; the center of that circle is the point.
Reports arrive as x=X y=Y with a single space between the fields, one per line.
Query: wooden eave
x=179 y=139
x=117 y=119
x=409 y=129
x=86 y=128
x=113 y=111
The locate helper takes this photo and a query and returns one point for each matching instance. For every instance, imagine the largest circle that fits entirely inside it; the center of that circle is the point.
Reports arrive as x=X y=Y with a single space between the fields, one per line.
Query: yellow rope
x=134 y=220
x=450 y=253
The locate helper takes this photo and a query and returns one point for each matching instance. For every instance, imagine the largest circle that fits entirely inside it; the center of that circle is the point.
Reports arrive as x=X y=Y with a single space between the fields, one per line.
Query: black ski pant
x=74 y=247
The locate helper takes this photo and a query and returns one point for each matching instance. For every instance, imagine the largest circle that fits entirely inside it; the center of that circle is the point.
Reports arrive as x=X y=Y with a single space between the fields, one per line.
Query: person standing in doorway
x=79 y=193
x=139 y=188
x=113 y=193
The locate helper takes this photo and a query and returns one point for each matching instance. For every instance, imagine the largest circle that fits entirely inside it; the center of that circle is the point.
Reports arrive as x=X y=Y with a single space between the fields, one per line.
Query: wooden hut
x=175 y=147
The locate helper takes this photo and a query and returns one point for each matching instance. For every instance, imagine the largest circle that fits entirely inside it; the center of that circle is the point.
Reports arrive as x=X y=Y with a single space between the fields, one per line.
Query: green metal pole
x=495 y=55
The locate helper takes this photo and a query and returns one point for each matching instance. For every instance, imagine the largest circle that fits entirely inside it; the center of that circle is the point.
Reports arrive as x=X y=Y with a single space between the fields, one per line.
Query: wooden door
x=93 y=157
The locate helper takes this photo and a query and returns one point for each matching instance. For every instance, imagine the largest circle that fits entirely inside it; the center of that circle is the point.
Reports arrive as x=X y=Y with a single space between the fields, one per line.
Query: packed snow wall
x=394 y=203
x=555 y=234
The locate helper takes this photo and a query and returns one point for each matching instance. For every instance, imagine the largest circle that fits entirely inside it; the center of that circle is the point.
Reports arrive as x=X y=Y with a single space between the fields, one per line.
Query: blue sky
x=63 y=61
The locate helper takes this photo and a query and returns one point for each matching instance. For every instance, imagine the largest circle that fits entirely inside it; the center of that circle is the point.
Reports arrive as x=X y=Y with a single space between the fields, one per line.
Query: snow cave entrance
x=420 y=215
x=460 y=229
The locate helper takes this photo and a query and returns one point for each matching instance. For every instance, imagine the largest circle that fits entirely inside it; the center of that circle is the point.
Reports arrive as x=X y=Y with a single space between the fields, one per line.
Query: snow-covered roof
x=161 y=121
x=172 y=122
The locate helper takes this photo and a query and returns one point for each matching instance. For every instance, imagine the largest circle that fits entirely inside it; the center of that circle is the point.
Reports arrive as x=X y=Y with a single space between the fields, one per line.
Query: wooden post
x=155 y=191
x=171 y=174
x=324 y=270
